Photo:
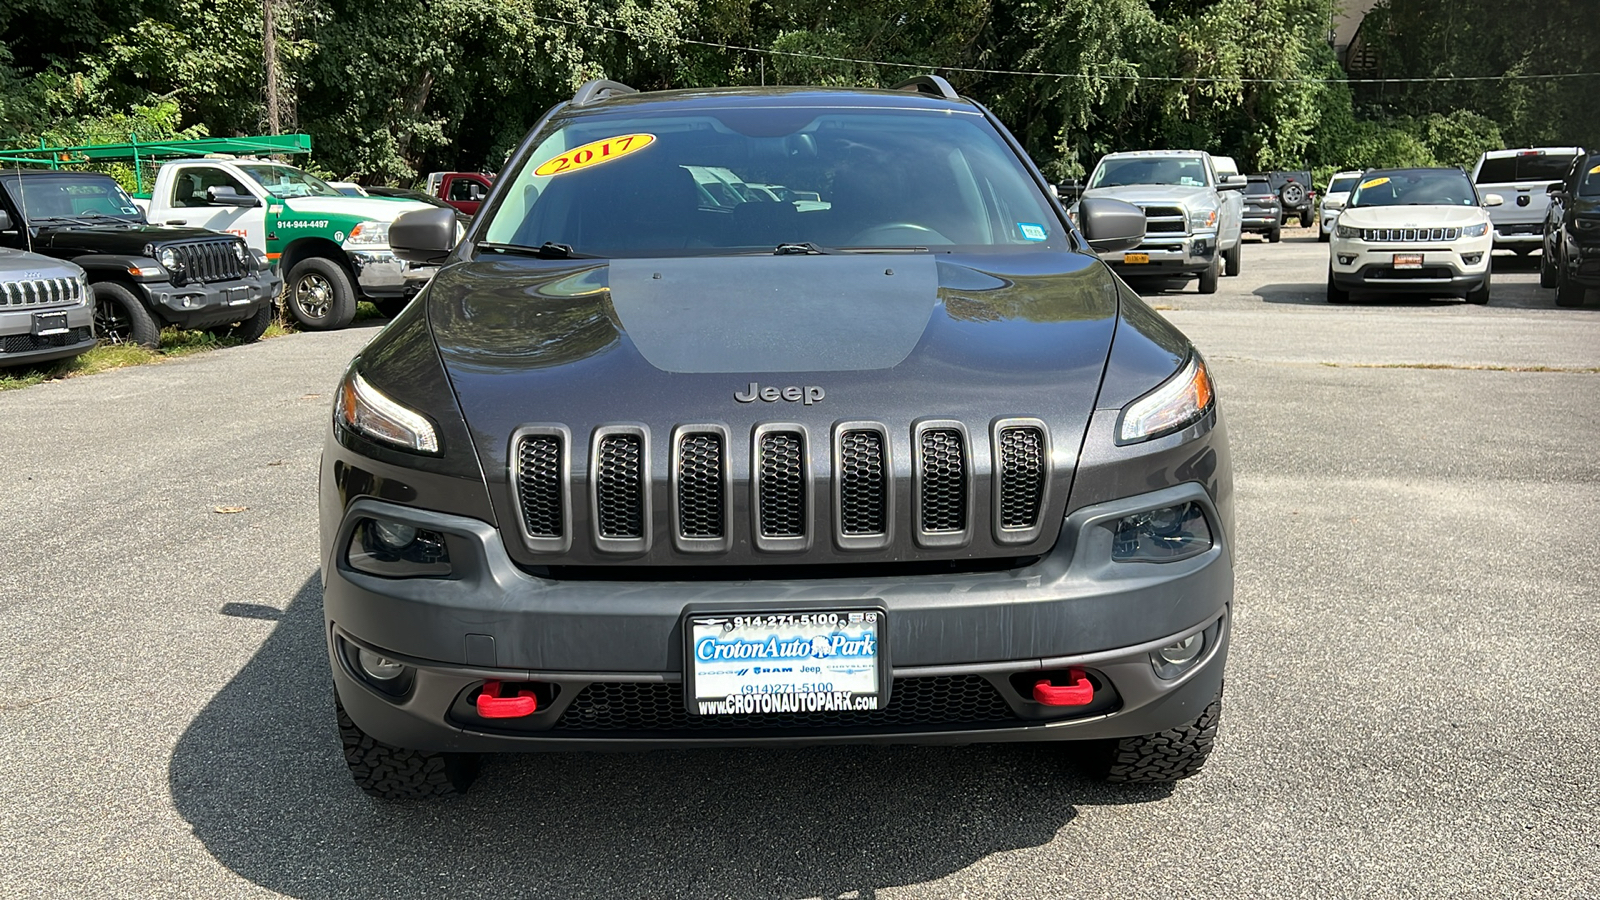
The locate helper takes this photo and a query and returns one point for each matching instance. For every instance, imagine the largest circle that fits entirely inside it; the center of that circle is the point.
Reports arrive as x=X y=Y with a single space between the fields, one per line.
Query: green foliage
x=391 y=89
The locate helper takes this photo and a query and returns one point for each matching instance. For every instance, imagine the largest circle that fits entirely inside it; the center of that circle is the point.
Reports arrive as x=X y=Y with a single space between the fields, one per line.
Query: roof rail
x=600 y=89
x=932 y=85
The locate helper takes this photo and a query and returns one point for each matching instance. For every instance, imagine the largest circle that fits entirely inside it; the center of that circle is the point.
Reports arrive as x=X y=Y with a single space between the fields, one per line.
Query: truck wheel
x=391 y=773
x=1276 y=234
x=250 y=330
x=1569 y=293
x=1547 y=272
x=319 y=294
x=120 y=317
x=1336 y=294
x=1323 y=235
x=1479 y=295
x=1234 y=258
x=1165 y=756
x=1209 y=278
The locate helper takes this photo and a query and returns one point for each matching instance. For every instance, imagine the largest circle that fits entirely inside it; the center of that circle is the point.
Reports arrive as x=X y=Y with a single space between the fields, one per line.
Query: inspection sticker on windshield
x=595 y=153
x=1032 y=231
x=1374 y=182
x=784 y=662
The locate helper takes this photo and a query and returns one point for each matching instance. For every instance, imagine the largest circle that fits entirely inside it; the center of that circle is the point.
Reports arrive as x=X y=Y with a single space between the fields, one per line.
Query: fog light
x=1471 y=259
x=1346 y=259
x=1162 y=535
x=393 y=535
x=379 y=668
x=1183 y=651
x=1179 y=657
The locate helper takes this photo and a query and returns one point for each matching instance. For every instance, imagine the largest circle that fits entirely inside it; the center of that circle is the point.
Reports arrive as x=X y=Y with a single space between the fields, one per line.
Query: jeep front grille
x=1021 y=475
x=944 y=481
x=540 y=470
x=863 y=484
x=781 y=484
x=701 y=493
x=207 y=261
x=40 y=292
x=1386 y=235
x=619 y=486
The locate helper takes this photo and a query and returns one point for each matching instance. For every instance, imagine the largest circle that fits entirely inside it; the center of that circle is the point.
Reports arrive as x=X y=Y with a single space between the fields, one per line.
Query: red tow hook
x=1078 y=691
x=493 y=706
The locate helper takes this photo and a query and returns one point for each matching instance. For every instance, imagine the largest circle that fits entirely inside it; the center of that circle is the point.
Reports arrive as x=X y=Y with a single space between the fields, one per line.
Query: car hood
x=886 y=338
x=129 y=239
x=19 y=265
x=1411 y=216
x=377 y=209
x=1147 y=194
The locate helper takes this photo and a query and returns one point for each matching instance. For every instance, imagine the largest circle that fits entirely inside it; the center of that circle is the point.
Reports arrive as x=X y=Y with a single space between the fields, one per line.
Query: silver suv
x=46 y=309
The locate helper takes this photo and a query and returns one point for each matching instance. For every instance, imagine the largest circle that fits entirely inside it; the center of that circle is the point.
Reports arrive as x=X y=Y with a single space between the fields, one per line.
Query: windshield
x=1589 y=183
x=287 y=181
x=1527 y=165
x=702 y=181
x=64 y=196
x=1415 y=187
x=1186 y=171
x=1343 y=185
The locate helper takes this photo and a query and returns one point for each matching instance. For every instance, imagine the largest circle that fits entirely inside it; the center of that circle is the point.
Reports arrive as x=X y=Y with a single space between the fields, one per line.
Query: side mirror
x=1111 y=225
x=227 y=196
x=1069 y=191
x=1234 y=183
x=1555 y=187
x=424 y=236
x=1493 y=200
x=5 y=220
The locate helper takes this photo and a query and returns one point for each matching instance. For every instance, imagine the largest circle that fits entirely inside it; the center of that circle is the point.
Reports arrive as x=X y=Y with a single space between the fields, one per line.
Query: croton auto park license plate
x=784 y=662
x=1136 y=258
x=1408 y=260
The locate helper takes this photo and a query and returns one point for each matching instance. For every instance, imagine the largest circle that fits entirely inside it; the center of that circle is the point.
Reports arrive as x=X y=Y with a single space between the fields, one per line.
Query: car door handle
x=177 y=221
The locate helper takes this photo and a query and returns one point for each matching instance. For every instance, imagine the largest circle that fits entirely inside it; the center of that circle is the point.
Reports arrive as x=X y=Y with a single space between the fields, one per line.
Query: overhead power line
x=1191 y=79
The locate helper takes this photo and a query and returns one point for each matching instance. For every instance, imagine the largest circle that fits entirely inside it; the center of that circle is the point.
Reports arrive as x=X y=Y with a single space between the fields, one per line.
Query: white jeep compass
x=1419 y=231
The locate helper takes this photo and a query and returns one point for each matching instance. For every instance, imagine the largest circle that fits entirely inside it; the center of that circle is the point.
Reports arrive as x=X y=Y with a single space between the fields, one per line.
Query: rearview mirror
x=1111 y=225
x=424 y=236
x=1493 y=199
x=222 y=195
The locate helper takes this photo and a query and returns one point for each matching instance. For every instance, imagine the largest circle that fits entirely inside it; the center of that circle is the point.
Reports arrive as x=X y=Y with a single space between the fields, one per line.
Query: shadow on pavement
x=259 y=777
x=1316 y=294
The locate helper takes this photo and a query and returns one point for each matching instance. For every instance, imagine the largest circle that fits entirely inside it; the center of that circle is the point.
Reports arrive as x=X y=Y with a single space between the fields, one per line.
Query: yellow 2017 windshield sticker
x=1595 y=171
x=595 y=153
x=1374 y=182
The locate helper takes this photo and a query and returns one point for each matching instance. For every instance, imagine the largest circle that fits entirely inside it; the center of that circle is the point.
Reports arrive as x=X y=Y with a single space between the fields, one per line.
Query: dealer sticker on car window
x=1374 y=182
x=595 y=153
x=1032 y=231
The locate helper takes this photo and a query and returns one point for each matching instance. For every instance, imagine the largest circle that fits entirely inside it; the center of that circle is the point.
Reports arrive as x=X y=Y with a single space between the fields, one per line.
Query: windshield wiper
x=547 y=250
x=798 y=248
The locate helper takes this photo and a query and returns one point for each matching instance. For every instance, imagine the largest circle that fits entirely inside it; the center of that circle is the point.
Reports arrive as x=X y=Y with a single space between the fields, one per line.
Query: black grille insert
x=781 y=484
x=915 y=703
x=539 y=471
x=700 y=487
x=1022 y=471
x=208 y=261
x=619 y=486
x=863 y=484
x=27 y=343
x=944 y=481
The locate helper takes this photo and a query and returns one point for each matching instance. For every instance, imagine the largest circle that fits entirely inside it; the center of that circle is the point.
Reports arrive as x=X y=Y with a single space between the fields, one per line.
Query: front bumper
x=622 y=640
x=1523 y=236
x=20 y=345
x=1446 y=269
x=1169 y=255
x=379 y=273
x=202 y=305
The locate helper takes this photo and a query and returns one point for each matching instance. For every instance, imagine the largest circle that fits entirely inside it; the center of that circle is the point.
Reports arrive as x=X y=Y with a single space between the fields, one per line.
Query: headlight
x=369 y=234
x=1586 y=224
x=1202 y=218
x=1174 y=406
x=168 y=257
x=85 y=291
x=1162 y=535
x=1478 y=230
x=241 y=252
x=1345 y=231
x=363 y=409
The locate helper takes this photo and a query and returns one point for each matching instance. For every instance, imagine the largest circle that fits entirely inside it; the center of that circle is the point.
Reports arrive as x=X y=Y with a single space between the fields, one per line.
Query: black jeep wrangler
x=1297 y=194
x=144 y=276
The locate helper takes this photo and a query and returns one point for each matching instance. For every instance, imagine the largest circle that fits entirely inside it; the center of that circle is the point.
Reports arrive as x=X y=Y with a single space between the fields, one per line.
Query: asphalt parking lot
x=1410 y=712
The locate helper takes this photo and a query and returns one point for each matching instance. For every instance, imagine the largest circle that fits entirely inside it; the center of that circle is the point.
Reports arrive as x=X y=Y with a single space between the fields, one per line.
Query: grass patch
x=104 y=357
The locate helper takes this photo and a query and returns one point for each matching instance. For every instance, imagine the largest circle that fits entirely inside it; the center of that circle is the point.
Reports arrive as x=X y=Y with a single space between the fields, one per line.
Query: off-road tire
x=1170 y=755
x=1569 y=293
x=1323 y=236
x=319 y=295
x=1336 y=294
x=1548 y=277
x=120 y=317
x=1291 y=195
x=1210 y=277
x=1479 y=296
x=393 y=773
x=1276 y=235
x=1233 y=259
x=250 y=330
x=389 y=307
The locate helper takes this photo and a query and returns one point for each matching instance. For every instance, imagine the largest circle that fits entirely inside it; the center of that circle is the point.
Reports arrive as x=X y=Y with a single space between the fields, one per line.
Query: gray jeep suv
x=46 y=309
x=772 y=417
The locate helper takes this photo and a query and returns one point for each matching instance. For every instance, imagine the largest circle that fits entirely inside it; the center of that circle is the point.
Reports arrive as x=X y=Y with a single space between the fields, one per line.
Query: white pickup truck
x=1522 y=178
x=1193 y=207
x=333 y=250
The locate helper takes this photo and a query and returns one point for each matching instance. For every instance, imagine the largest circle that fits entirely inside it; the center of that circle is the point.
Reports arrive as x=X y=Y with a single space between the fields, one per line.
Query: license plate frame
x=46 y=324
x=1407 y=261
x=1136 y=259
x=717 y=682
